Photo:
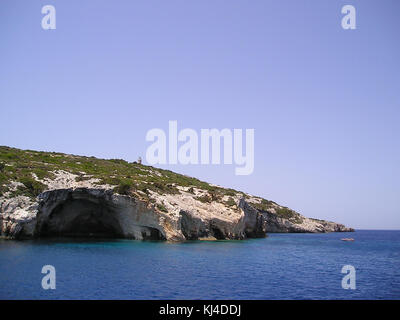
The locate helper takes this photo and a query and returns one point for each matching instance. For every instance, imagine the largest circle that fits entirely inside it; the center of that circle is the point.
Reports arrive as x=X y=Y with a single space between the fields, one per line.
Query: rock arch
x=92 y=213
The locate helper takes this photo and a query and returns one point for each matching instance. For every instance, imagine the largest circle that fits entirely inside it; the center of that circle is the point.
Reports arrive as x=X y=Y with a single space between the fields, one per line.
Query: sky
x=324 y=102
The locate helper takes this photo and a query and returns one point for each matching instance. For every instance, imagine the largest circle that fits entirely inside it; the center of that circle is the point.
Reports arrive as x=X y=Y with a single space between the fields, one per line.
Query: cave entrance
x=217 y=233
x=82 y=218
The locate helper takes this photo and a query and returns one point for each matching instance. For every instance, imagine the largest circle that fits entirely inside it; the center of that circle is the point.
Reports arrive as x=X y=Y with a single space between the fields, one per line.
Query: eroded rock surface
x=90 y=212
x=71 y=207
x=17 y=217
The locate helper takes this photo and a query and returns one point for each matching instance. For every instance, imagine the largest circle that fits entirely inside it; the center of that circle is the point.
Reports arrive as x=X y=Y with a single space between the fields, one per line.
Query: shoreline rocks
x=47 y=194
x=97 y=212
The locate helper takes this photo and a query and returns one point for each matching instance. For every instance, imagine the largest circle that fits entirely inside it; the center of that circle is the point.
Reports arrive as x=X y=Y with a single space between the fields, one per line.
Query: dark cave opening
x=217 y=233
x=152 y=234
x=82 y=218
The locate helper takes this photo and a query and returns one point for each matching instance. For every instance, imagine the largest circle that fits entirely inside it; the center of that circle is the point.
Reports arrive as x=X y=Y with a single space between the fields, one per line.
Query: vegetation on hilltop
x=128 y=177
x=20 y=165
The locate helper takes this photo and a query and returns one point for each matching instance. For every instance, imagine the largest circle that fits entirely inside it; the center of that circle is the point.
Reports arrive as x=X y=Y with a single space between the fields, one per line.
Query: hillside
x=56 y=194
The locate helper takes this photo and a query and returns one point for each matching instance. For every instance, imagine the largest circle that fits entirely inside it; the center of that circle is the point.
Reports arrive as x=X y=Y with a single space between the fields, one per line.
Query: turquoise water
x=282 y=266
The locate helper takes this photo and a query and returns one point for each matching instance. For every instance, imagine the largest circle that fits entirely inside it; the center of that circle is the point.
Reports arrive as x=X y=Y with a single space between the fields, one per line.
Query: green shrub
x=2 y=166
x=215 y=195
x=159 y=186
x=285 y=213
x=211 y=196
x=204 y=198
x=10 y=156
x=123 y=188
x=119 y=161
x=230 y=202
x=230 y=192
x=161 y=207
x=32 y=187
x=264 y=205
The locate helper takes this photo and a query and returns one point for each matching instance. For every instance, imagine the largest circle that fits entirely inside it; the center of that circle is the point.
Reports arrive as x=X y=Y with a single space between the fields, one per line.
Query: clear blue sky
x=324 y=102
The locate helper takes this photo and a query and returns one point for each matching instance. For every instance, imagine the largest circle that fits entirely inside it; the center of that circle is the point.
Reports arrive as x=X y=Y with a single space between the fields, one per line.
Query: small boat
x=347 y=239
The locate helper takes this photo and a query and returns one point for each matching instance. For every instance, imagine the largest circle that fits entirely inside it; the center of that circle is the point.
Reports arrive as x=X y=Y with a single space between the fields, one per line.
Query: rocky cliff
x=57 y=195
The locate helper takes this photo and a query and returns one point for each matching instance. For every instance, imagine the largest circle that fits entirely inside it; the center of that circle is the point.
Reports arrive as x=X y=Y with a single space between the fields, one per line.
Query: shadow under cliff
x=84 y=214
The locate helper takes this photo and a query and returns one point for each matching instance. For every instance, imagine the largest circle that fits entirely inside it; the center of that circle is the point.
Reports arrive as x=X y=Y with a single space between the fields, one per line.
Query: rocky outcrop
x=302 y=224
x=81 y=205
x=17 y=217
x=87 y=212
x=256 y=224
x=96 y=212
x=91 y=212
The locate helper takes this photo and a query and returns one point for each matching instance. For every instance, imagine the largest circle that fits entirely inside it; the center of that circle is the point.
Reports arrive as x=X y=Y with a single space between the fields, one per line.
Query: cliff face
x=277 y=224
x=100 y=212
x=169 y=207
x=83 y=212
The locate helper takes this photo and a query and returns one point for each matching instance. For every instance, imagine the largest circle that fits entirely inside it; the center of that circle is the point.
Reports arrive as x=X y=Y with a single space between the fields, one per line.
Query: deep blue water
x=282 y=266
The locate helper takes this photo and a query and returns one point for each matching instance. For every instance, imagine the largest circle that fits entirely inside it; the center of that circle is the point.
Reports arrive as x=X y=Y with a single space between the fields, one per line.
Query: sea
x=281 y=266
